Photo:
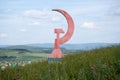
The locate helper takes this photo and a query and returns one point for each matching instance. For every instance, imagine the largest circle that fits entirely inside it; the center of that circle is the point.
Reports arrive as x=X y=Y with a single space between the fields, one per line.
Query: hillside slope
x=98 y=64
x=32 y=49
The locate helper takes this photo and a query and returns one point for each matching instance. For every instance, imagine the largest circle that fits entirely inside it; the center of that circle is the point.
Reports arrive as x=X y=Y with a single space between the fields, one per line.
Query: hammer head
x=58 y=31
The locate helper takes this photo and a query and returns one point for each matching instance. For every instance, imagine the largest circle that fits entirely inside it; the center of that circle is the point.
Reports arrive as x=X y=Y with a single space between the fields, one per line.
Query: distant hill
x=48 y=47
x=29 y=49
x=32 y=49
x=87 y=46
x=83 y=46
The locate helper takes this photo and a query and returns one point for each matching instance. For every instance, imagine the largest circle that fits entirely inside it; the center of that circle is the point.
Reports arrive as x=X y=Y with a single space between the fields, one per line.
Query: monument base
x=57 y=53
x=54 y=59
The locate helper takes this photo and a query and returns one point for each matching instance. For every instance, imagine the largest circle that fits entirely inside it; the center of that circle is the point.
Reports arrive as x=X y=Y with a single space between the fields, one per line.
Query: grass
x=98 y=64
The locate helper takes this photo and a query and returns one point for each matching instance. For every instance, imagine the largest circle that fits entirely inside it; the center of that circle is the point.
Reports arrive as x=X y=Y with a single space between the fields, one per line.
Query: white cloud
x=36 y=13
x=34 y=23
x=39 y=17
x=2 y=35
x=56 y=19
x=89 y=25
x=23 y=30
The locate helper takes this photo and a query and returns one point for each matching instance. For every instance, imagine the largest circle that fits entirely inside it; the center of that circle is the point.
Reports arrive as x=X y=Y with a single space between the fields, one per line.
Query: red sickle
x=70 y=22
x=57 y=53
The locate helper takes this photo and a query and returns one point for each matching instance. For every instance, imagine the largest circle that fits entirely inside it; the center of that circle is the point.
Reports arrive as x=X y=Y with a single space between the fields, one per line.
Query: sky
x=33 y=21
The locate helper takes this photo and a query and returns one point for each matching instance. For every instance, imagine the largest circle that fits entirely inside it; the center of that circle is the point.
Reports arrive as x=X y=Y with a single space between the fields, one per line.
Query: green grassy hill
x=21 y=55
x=98 y=64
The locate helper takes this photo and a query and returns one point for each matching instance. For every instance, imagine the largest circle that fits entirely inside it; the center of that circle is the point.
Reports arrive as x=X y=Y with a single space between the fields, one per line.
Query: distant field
x=36 y=54
x=24 y=55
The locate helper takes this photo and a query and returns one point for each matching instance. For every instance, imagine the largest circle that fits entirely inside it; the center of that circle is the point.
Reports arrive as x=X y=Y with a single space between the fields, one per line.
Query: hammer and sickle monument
x=57 y=53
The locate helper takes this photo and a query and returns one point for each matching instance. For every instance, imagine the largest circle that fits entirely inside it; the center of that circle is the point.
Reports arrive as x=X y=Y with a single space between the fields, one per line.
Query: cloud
x=56 y=19
x=117 y=11
x=2 y=35
x=114 y=10
x=89 y=25
x=34 y=23
x=23 y=30
x=39 y=17
x=36 y=13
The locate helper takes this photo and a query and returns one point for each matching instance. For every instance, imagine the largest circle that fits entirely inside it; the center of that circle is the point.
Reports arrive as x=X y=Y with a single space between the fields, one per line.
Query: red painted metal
x=57 y=53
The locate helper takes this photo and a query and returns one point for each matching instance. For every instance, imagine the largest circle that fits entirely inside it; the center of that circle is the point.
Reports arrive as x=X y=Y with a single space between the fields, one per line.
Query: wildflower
x=104 y=66
x=79 y=74
x=95 y=73
x=63 y=69
x=49 y=75
x=105 y=76
x=52 y=69
x=93 y=67
x=17 y=77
